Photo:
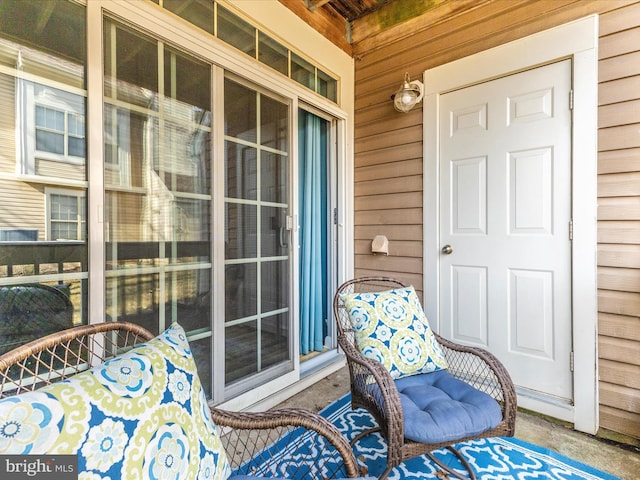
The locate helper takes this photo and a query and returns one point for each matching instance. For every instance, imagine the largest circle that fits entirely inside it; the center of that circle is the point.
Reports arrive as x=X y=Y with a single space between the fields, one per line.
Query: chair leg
x=363 y=434
x=449 y=470
x=385 y=473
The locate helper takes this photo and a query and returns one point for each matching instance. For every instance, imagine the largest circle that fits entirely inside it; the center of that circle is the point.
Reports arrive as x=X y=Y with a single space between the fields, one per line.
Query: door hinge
x=571 y=365
x=335 y=216
x=571 y=99
x=570 y=229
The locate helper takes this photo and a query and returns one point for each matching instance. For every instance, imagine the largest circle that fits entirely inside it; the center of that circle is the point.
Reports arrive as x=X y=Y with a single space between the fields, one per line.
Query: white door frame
x=577 y=40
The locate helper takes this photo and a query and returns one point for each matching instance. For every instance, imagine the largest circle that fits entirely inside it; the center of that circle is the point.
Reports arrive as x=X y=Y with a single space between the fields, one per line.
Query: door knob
x=447 y=249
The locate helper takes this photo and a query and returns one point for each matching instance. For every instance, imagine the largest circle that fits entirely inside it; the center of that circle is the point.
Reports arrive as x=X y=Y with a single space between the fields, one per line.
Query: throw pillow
x=391 y=327
x=142 y=414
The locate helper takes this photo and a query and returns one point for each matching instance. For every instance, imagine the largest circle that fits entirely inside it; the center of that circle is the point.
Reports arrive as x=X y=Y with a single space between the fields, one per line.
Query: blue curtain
x=312 y=168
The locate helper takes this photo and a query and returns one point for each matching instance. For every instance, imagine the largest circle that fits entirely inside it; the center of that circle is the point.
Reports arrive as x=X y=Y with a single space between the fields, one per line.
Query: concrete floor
x=619 y=460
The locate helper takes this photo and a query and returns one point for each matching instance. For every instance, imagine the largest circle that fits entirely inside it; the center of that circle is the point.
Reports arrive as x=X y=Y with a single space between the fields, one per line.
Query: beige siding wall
x=21 y=204
x=619 y=220
x=388 y=160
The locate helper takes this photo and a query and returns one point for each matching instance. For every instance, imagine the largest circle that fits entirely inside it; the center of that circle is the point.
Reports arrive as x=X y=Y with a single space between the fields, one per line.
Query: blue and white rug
x=492 y=459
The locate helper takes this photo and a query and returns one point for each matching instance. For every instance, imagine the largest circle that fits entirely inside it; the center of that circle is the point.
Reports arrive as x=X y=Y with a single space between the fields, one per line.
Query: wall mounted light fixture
x=408 y=94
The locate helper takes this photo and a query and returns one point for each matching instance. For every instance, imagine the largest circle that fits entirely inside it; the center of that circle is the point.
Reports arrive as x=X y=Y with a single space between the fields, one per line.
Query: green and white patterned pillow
x=139 y=415
x=391 y=327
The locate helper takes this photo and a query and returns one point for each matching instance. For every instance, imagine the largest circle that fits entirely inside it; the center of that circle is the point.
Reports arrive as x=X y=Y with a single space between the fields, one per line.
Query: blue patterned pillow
x=139 y=415
x=391 y=327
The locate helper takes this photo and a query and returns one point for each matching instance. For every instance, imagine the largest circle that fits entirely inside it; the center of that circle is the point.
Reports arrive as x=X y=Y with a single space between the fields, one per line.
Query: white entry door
x=505 y=224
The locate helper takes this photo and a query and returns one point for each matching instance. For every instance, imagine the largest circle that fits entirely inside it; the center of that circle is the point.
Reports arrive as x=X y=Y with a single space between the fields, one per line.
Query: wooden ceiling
x=350 y=10
x=355 y=25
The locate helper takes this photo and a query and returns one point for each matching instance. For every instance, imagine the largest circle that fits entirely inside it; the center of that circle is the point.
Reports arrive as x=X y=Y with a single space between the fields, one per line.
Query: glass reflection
x=256 y=236
x=43 y=250
x=158 y=187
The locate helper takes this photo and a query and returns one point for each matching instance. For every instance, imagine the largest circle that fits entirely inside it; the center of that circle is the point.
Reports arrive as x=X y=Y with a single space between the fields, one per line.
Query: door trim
x=577 y=40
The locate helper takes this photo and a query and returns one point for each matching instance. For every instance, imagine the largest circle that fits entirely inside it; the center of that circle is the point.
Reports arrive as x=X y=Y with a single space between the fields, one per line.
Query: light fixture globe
x=408 y=94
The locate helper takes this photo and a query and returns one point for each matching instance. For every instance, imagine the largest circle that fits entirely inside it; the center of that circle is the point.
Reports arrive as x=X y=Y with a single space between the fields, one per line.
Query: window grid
x=259 y=45
x=59 y=132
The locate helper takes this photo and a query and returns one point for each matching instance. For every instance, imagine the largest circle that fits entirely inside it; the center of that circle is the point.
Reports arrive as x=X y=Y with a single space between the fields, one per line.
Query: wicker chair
x=471 y=365
x=244 y=435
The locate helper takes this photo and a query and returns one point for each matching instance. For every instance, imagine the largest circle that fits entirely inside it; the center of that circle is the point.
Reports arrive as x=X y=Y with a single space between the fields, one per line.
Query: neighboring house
x=173 y=161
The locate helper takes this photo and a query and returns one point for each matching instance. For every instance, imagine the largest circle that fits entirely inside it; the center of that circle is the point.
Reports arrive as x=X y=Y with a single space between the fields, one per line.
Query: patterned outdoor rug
x=492 y=459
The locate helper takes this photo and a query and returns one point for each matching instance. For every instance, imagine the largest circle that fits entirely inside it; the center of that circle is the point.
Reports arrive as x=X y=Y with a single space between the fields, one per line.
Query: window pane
x=275 y=289
x=39 y=309
x=274 y=234
x=54 y=26
x=184 y=163
x=274 y=174
x=134 y=77
x=241 y=171
x=274 y=117
x=76 y=147
x=241 y=351
x=58 y=131
x=236 y=32
x=187 y=80
x=49 y=142
x=241 y=291
x=242 y=225
x=197 y=12
x=302 y=71
x=275 y=338
x=327 y=86
x=273 y=54
x=240 y=111
x=64 y=207
x=76 y=124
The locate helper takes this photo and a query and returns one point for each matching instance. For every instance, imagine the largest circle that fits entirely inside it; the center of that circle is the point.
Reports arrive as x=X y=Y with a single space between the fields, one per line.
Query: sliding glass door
x=157 y=128
x=149 y=175
x=258 y=318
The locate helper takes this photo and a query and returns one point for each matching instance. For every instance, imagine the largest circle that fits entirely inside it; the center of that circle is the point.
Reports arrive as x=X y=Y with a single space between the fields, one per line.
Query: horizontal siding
x=7 y=125
x=622 y=398
x=619 y=208
x=620 y=326
x=620 y=90
x=619 y=303
x=620 y=421
x=621 y=279
x=619 y=220
x=616 y=255
x=22 y=206
x=619 y=161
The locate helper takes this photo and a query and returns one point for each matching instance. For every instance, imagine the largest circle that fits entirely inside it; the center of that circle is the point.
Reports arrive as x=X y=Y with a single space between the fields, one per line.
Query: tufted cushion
x=440 y=408
x=391 y=327
x=142 y=414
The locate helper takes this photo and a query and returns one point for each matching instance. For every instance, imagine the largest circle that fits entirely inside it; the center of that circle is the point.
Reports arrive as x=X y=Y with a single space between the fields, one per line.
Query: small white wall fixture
x=578 y=41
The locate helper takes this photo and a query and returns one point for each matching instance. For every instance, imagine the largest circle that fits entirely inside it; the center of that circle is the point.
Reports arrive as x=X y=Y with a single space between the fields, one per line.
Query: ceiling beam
x=313 y=5
x=324 y=20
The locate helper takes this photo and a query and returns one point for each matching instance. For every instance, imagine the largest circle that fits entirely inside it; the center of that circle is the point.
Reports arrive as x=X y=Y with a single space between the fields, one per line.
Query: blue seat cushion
x=440 y=408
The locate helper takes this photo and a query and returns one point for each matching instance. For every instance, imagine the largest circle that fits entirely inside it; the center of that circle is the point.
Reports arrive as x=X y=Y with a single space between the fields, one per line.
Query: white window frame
x=55 y=99
x=80 y=195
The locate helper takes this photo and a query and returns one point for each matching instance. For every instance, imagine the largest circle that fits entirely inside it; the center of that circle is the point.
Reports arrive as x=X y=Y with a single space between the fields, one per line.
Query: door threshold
x=559 y=408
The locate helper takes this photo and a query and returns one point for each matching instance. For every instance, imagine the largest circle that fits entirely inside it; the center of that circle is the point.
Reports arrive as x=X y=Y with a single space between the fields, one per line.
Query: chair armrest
x=484 y=371
x=250 y=435
x=382 y=402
